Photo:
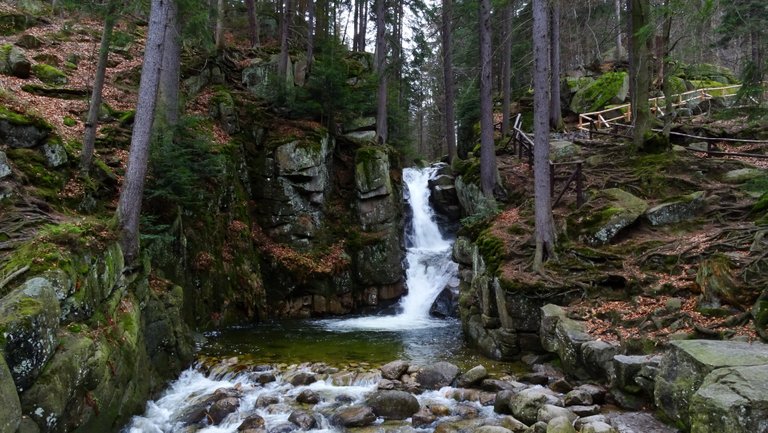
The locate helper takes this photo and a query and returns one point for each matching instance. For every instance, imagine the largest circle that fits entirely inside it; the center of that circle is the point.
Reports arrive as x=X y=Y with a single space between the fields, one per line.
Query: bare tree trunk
x=448 y=80
x=356 y=27
x=92 y=122
x=506 y=67
x=640 y=78
x=129 y=205
x=487 y=147
x=282 y=64
x=168 y=91
x=555 y=112
x=666 y=86
x=310 y=33
x=253 y=23
x=380 y=64
x=618 y=33
x=321 y=19
x=220 y=9
x=363 y=26
x=545 y=232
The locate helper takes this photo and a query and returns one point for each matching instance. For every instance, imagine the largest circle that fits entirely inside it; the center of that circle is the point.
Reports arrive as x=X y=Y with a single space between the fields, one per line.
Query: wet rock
x=252 y=424
x=221 y=408
x=286 y=427
x=582 y=410
x=266 y=400
x=466 y=411
x=578 y=397
x=445 y=305
x=638 y=422
x=512 y=424
x=495 y=385
x=526 y=404
x=472 y=377
x=423 y=418
x=355 y=416
x=393 y=404
x=443 y=197
x=561 y=424
x=535 y=378
x=502 y=403
x=597 y=427
x=439 y=409
x=492 y=429
x=308 y=397
x=394 y=370
x=463 y=250
x=437 y=375
x=29 y=319
x=302 y=378
x=265 y=378
x=302 y=419
x=676 y=211
x=731 y=400
x=687 y=363
x=549 y=412
x=10 y=407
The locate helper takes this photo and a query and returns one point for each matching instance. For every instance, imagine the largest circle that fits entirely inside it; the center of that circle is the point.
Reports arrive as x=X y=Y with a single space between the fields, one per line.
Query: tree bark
x=220 y=9
x=487 y=147
x=545 y=233
x=356 y=26
x=253 y=22
x=640 y=78
x=310 y=33
x=555 y=112
x=448 y=80
x=363 y=26
x=506 y=67
x=129 y=205
x=92 y=122
x=168 y=91
x=282 y=64
x=619 y=48
x=380 y=64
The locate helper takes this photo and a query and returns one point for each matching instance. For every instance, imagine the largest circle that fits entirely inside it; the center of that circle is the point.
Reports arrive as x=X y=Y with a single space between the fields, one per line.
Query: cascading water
x=429 y=265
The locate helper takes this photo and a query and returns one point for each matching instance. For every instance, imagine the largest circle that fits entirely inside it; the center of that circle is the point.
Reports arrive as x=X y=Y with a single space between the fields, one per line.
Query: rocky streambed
x=399 y=396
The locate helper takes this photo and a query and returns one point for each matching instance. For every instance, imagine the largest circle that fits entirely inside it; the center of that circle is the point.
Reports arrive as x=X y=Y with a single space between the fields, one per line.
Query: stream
x=259 y=365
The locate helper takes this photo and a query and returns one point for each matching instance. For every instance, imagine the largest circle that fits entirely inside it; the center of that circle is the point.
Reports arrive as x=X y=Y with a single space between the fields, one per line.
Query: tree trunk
x=129 y=205
x=640 y=78
x=555 y=112
x=356 y=27
x=487 y=147
x=448 y=80
x=545 y=233
x=168 y=91
x=321 y=20
x=666 y=86
x=282 y=64
x=363 y=26
x=92 y=122
x=618 y=33
x=220 y=11
x=380 y=56
x=253 y=23
x=310 y=33
x=506 y=67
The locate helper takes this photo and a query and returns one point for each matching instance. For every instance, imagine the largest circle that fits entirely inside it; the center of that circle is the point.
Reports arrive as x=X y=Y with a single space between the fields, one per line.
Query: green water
x=292 y=342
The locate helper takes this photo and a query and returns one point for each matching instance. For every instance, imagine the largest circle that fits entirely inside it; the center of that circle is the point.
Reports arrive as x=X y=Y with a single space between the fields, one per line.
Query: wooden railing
x=606 y=117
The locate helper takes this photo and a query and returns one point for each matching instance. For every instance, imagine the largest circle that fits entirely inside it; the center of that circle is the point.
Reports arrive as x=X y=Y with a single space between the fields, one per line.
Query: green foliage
x=337 y=89
x=182 y=168
x=467 y=116
x=121 y=39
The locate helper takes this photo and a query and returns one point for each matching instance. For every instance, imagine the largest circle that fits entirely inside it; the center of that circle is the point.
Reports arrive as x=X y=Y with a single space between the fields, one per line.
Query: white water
x=429 y=267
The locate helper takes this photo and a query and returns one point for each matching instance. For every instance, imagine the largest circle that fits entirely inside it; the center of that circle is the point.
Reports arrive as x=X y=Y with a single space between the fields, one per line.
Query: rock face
x=687 y=364
x=10 y=408
x=731 y=400
x=444 y=198
x=676 y=211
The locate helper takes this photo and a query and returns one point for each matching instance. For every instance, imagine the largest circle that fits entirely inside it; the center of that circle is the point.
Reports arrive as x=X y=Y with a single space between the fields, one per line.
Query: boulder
x=597 y=427
x=563 y=150
x=221 y=408
x=627 y=369
x=10 y=407
x=5 y=167
x=577 y=397
x=49 y=74
x=302 y=378
x=501 y=404
x=55 y=154
x=18 y=131
x=252 y=424
x=355 y=416
x=760 y=315
x=360 y=124
x=548 y=412
x=443 y=198
x=743 y=175
x=29 y=318
x=564 y=336
x=676 y=211
x=526 y=404
x=597 y=356
x=423 y=418
x=609 y=88
x=638 y=422
x=731 y=400
x=437 y=375
x=308 y=396
x=394 y=370
x=472 y=376
x=372 y=172
x=361 y=138
x=598 y=225
x=688 y=362
x=561 y=424
x=393 y=404
x=17 y=63
x=445 y=305
x=589 y=410
x=302 y=419
x=28 y=41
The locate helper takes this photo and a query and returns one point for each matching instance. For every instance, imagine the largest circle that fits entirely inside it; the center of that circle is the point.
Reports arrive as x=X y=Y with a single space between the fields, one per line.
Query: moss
x=69 y=121
x=126 y=118
x=49 y=74
x=655 y=143
x=19 y=119
x=33 y=165
x=598 y=94
x=492 y=249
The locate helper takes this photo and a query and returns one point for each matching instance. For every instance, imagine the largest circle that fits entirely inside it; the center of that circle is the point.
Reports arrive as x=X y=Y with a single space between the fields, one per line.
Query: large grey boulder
x=16 y=63
x=394 y=370
x=743 y=175
x=437 y=375
x=10 y=408
x=526 y=404
x=472 y=376
x=564 y=336
x=731 y=400
x=563 y=150
x=20 y=132
x=687 y=363
x=599 y=225
x=676 y=211
x=5 y=167
x=29 y=318
x=393 y=404
x=560 y=424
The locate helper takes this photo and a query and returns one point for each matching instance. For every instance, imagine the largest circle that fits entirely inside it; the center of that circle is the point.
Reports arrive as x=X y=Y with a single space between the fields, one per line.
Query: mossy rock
x=718 y=282
x=611 y=211
x=709 y=72
x=372 y=172
x=49 y=74
x=743 y=175
x=611 y=87
x=34 y=166
x=10 y=407
x=11 y=23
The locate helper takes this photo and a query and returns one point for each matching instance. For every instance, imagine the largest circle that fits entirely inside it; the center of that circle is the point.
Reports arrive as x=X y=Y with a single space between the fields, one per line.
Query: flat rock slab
x=638 y=422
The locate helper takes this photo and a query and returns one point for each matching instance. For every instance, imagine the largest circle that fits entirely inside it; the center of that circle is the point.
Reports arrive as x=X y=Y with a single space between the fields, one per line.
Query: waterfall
x=429 y=267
